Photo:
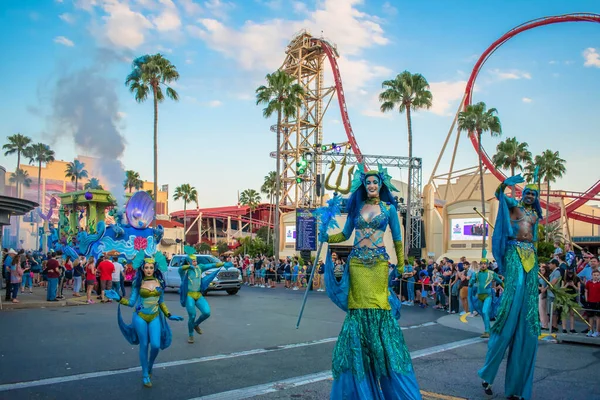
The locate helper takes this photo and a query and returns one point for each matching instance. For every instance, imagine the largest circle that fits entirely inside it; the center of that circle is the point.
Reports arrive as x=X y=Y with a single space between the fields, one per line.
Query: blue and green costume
x=192 y=287
x=484 y=299
x=149 y=328
x=370 y=359
x=517 y=325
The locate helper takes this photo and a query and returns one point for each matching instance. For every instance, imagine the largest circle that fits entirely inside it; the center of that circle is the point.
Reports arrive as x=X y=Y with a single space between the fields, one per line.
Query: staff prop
x=558 y=292
x=326 y=217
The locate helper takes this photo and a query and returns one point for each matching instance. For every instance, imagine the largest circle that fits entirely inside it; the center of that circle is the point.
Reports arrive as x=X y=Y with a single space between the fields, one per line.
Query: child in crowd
x=592 y=297
x=425 y=283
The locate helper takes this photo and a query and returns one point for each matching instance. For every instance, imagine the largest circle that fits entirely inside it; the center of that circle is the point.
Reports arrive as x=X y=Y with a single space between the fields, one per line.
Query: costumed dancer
x=192 y=287
x=149 y=327
x=517 y=325
x=370 y=359
x=484 y=295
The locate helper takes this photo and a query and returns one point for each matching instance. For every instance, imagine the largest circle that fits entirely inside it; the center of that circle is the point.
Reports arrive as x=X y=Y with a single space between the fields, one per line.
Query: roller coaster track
x=591 y=193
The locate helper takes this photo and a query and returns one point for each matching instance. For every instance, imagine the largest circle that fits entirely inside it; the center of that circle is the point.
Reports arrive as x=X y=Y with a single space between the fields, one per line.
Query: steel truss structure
x=416 y=200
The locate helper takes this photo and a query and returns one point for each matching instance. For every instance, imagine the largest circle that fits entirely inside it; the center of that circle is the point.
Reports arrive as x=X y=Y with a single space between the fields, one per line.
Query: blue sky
x=544 y=82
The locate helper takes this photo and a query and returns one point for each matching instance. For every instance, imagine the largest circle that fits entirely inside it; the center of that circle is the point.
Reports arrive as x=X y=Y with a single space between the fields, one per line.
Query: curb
x=7 y=306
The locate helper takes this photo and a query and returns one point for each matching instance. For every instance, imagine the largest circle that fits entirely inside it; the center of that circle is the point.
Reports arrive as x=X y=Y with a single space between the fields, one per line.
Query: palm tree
x=510 y=154
x=92 y=184
x=551 y=167
x=268 y=188
x=132 y=181
x=407 y=92
x=76 y=171
x=283 y=96
x=187 y=193
x=19 y=178
x=40 y=153
x=477 y=119
x=16 y=144
x=149 y=74
x=251 y=198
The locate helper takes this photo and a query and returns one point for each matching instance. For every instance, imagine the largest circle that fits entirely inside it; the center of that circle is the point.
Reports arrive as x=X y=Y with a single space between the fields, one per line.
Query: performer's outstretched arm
x=132 y=299
x=341 y=236
x=397 y=237
x=500 y=192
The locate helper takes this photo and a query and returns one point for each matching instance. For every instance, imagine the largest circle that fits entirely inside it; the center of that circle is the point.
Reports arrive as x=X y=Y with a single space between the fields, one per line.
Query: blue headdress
x=159 y=260
x=360 y=176
x=359 y=191
x=534 y=187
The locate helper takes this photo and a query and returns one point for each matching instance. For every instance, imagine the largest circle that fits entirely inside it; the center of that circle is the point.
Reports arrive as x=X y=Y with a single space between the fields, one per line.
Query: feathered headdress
x=158 y=260
x=535 y=184
x=191 y=253
x=360 y=176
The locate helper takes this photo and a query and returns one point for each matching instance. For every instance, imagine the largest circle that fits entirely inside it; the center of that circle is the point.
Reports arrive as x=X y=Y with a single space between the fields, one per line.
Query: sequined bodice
x=368 y=239
x=148 y=301
x=194 y=277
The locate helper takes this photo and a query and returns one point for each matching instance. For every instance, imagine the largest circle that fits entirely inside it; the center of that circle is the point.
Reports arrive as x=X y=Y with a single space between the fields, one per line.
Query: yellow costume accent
x=527 y=257
x=194 y=295
x=368 y=285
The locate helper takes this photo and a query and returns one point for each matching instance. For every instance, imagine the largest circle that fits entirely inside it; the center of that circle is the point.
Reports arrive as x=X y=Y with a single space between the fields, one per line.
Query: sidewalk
x=37 y=299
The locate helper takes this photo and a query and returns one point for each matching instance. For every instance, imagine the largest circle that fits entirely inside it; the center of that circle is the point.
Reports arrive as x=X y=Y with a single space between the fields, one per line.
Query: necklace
x=372 y=200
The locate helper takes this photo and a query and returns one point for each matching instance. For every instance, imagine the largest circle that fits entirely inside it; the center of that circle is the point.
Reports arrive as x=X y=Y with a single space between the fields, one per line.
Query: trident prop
x=326 y=216
x=539 y=274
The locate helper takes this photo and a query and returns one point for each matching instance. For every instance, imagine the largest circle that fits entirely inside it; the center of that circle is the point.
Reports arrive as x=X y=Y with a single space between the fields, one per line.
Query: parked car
x=228 y=279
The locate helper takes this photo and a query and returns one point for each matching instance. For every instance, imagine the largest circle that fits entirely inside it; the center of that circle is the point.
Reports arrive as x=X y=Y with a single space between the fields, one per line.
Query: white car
x=228 y=279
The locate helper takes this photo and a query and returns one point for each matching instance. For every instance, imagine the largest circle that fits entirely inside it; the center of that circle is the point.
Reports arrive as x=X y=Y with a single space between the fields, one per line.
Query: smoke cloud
x=85 y=108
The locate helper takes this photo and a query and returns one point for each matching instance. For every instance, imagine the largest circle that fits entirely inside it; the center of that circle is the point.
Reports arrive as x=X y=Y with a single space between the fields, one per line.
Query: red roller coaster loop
x=592 y=191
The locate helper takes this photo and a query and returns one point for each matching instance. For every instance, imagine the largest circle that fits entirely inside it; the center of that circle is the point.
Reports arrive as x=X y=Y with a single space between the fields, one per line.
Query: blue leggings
x=410 y=288
x=190 y=306
x=149 y=335
x=486 y=308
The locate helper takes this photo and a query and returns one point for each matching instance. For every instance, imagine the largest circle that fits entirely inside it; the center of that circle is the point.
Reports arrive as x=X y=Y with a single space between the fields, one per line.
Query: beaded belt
x=369 y=256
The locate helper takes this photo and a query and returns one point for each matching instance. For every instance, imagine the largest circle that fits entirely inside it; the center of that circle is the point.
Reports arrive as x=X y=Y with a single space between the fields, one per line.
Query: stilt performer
x=484 y=299
x=149 y=327
x=517 y=325
x=370 y=359
x=192 y=287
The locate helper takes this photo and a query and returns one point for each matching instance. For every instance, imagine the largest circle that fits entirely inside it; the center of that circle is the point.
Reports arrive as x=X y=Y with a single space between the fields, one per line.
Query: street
x=250 y=347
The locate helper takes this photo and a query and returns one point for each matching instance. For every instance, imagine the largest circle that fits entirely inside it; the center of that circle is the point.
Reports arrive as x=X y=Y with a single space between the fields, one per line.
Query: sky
x=65 y=56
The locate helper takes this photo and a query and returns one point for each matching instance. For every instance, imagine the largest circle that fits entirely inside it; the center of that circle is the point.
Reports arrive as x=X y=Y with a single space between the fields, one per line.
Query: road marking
x=258 y=390
x=100 y=374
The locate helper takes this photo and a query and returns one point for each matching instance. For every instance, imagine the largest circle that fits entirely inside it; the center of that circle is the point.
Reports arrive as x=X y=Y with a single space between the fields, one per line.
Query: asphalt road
x=249 y=347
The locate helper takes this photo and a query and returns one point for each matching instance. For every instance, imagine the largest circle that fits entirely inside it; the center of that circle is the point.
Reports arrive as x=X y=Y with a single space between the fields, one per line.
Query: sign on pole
x=306 y=230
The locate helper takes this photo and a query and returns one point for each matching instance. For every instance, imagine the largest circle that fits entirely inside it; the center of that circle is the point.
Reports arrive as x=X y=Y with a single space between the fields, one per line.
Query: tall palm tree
x=76 y=171
x=41 y=154
x=511 y=154
x=132 y=181
x=551 y=167
x=251 y=198
x=20 y=178
x=477 y=119
x=268 y=188
x=16 y=144
x=149 y=73
x=93 y=183
x=187 y=193
x=407 y=92
x=284 y=97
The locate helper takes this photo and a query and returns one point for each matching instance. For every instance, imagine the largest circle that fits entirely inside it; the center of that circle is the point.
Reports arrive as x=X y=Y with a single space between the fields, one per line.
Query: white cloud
x=389 y=9
x=68 y=18
x=218 y=8
x=64 y=41
x=188 y=61
x=552 y=62
x=86 y=5
x=124 y=27
x=511 y=74
x=445 y=95
x=190 y=7
x=527 y=100
x=215 y=103
x=372 y=107
x=357 y=73
x=592 y=58
x=168 y=20
x=271 y=4
x=299 y=7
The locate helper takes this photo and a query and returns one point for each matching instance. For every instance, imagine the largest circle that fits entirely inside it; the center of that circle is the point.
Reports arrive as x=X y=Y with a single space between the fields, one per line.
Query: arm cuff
x=399 y=247
x=337 y=238
x=164 y=309
x=124 y=301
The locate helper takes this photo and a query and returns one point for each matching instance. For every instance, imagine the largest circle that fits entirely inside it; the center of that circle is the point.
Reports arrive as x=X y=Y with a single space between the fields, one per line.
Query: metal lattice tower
x=305 y=61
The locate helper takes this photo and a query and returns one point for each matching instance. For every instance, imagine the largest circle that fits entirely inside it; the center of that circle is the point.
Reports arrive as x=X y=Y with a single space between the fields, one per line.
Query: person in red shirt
x=592 y=296
x=106 y=269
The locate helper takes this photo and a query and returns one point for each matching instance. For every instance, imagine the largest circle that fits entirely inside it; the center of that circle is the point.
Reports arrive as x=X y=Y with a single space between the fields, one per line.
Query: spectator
x=543 y=297
x=555 y=278
x=592 y=296
x=90 y=278
x=106 y=268
x=78 y=273
x=53 y=273
x=117 y=274
x=6 y=267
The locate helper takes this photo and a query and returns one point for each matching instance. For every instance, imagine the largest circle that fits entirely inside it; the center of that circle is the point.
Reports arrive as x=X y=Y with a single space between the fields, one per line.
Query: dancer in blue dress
x=370 y=359
x=517 y=325
x=149 y=328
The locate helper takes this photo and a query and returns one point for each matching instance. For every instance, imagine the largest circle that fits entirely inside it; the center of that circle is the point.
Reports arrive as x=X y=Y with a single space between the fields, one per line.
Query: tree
x=203 y=248
x=39 y=153
x=132 y=181
x=148 y=74
x=76 y=171
x=268 y=188
x=16 y=144
x=250 y=198
x=93 y=183
x=407 y=92
x=188 y=194
x=476 y=119
x=551 y=167
x=511 y=155
x=282 y=96
x=222 y=247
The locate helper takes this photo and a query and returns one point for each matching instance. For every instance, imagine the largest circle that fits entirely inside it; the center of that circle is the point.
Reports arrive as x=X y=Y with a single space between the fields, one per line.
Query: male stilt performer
x=481 y=282
x=517 y=325
x=192 y=286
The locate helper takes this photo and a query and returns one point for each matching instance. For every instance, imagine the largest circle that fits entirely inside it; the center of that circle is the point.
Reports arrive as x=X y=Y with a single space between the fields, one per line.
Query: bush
x=545 y=250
